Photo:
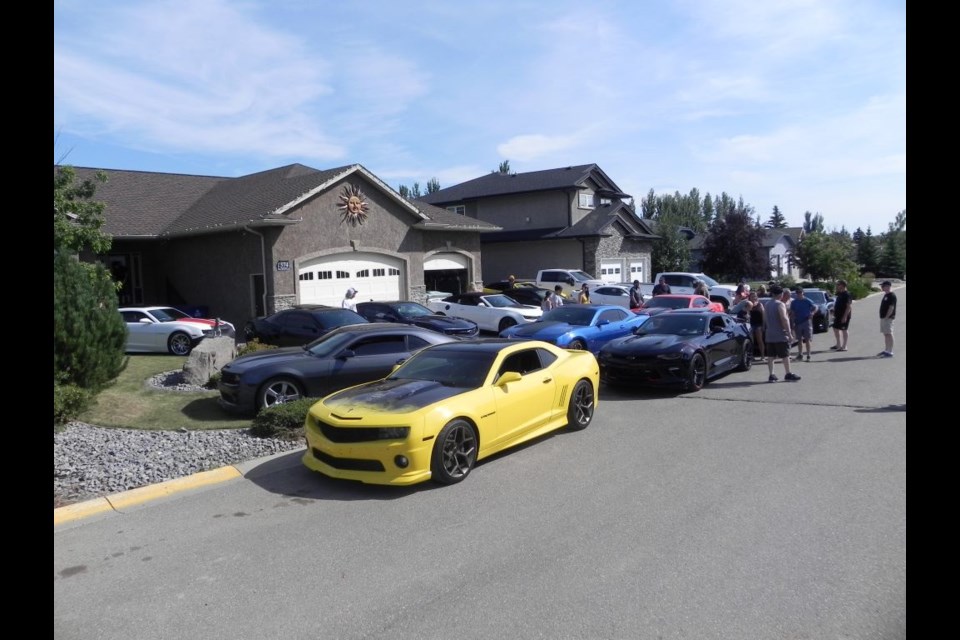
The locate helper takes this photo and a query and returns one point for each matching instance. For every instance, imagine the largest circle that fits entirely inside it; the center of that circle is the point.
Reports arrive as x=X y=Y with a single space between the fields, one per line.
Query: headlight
x=670 y=356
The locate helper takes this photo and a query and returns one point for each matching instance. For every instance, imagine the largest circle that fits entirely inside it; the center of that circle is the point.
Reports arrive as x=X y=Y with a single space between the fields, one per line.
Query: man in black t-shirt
x=888 y=311
x=842 y=309
x=661 y=288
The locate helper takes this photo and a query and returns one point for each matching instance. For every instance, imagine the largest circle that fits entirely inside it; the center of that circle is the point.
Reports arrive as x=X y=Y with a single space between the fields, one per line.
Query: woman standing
x=756 y=325
x=584 y=294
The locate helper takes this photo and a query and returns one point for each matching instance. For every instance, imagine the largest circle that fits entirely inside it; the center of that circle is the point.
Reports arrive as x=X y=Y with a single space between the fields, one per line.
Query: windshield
x=168 y=314
x=580 y=316
x=816 y=297
x=673 y=324
x=581 y=276
x=327 y=345
x=500 y=300
x=666 y=302
x=412 y=310
x=449 y=367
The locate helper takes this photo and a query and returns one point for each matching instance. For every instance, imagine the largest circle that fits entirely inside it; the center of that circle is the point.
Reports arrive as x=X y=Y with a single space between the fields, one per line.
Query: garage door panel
x=375 y=277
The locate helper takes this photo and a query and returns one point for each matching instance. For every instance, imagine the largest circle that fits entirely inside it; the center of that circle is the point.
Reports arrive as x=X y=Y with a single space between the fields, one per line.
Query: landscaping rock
x=207 y=358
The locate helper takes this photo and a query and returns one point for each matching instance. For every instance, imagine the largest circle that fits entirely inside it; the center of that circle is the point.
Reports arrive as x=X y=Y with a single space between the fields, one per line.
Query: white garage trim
x=441 y=261
x=325 y=280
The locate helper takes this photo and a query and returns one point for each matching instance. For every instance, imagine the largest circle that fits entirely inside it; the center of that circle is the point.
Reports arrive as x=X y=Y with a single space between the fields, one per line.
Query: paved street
x=749 y=510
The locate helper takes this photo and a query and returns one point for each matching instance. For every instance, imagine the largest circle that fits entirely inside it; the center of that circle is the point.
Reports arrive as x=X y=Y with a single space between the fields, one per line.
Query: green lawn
x=131 y=403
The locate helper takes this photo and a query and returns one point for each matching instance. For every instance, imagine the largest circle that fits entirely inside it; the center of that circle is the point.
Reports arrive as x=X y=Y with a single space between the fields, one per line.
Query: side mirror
x=346 y=354
x=715 y=329
x=602 y=322
x=570 y=281
x=507 y=377
x=145 y=321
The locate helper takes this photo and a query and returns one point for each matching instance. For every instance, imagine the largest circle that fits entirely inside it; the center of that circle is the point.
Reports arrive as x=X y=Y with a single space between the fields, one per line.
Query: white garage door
x=610 y=272
x=636 y=272
x=374 y=276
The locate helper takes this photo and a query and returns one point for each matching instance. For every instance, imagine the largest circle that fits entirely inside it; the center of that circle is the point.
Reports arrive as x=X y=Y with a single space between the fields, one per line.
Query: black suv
x=299 y=325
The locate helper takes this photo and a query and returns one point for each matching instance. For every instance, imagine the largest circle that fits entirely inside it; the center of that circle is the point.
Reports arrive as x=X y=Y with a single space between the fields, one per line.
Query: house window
x=363 y=273
x=586 y=201
x=604 y=201
x=394 y=272
x=308 y=275
x=379 y=273
x=342 y=275
x=458 y=209
x=324 y=275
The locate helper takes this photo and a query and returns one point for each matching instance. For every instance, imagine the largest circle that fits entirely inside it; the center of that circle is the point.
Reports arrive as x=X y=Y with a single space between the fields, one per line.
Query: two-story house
x=571 y=217
x=255 y=244
x=779 y=246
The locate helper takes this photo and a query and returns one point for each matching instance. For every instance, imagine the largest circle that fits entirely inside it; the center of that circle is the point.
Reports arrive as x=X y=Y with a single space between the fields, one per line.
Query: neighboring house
x=252 y=245
x=572 y=217
x=779 y=244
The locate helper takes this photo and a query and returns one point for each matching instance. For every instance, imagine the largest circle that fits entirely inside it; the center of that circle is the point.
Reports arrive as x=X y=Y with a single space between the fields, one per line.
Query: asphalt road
x=749 y=510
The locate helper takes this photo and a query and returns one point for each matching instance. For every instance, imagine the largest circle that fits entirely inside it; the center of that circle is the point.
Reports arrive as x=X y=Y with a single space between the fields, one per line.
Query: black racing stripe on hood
x=397 y=396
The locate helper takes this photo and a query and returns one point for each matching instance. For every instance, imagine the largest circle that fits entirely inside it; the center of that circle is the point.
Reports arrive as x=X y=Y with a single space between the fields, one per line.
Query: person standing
x=550 y=302
x=842 y=310
x=661 y=288
x=636 y=298
x=584 y=294
x=558 y=294
x=701 y=289
x=777 y=335
x=349 y=299
x=802 y=310
x=512 y=282
x=756 y=325
x=888 y=312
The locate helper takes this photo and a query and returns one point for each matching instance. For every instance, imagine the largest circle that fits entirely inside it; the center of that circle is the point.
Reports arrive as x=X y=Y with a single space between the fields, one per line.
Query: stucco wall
x=524 y=259
x=544 y=209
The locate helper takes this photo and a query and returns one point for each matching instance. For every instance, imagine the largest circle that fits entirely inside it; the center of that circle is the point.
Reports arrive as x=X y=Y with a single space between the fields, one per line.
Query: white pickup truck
x=682 y=282
x=572 y=280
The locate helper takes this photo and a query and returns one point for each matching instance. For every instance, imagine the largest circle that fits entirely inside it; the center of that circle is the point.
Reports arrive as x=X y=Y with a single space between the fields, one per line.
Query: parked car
x=571 y=280
x=502 y=285
x=491 y=311
x=617 y=294
x=447 y=407
x=167 y=330
x=823 y=316
x=580 y=326
x=659 y=304
x=683 y=347
x=299 y=325
x=415 y=313
x=343 y=357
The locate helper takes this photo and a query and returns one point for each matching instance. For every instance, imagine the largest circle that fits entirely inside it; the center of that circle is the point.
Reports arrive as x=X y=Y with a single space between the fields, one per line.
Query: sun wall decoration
x=353 y=205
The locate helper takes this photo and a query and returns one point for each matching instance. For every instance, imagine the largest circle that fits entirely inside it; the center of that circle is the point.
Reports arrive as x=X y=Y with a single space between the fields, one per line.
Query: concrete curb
x=134 y=497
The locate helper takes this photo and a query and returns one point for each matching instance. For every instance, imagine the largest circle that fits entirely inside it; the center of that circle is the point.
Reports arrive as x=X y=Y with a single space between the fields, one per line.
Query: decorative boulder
x=207 y=358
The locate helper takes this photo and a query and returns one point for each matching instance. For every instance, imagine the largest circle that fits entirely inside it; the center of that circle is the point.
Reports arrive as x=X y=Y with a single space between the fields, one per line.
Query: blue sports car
x=581 y=326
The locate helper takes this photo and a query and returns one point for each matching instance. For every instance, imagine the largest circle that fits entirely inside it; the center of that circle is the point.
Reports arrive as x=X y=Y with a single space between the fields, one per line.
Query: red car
x=658 y=304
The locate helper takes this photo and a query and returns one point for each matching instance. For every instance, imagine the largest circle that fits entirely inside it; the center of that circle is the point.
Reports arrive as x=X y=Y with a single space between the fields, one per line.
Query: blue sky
x=795 y=103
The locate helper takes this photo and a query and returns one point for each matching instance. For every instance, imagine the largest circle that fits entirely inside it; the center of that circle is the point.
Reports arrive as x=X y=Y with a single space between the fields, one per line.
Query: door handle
x=546 y=380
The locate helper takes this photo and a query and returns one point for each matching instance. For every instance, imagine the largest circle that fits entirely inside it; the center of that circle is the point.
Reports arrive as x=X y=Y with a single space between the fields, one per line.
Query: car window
x=451 y=368
x=133 y=316
x=379 y=345
x=163 y=315
x=716 y=323
x=700 y=302
x=546 y=357
x=550 y=276
x=337 y=318
x=415 y=343
x=578 y=315
x=523 y=362
x=612 y=315
x=412 y=310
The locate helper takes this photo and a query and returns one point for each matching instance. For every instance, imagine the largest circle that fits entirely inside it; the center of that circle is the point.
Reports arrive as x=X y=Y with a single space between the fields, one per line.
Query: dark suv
x=299 y=325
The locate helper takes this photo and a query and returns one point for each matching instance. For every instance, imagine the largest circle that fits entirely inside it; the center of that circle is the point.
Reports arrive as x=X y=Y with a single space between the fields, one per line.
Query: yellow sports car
x=449 y=406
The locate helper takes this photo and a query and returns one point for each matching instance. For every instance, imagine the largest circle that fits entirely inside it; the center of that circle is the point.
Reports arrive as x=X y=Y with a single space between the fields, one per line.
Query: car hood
x=643 y=344
x=206 y=322
x=546 y=331
x=267 y=356
x=389 y=396
x=445 y=321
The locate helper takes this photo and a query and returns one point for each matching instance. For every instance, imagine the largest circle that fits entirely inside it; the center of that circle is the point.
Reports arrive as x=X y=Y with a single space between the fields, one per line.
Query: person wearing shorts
x=802 y=310
x=842 y=310
x=888 y=311
x=777 y=335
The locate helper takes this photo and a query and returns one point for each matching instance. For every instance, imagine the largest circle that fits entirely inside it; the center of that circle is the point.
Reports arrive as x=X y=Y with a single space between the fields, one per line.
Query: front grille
x=362 y=434
x=463 y=332
x=347 y=464
x=229 y=378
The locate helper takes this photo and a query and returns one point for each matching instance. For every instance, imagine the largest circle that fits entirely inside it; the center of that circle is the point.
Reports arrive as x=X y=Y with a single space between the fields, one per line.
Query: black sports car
x=342 y=358
x=299 y=325
x=417 y=314
x=532 y=296
x=683 y=347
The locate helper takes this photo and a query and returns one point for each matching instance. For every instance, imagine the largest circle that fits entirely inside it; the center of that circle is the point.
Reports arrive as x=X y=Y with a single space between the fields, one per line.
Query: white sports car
x=491 y=311
x=617 y=294
x=168 y=330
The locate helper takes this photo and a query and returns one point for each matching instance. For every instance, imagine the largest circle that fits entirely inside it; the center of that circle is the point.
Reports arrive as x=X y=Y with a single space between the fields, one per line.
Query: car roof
x=485 y=345
x=696 y=311
x=685 y=296
x=382 y=327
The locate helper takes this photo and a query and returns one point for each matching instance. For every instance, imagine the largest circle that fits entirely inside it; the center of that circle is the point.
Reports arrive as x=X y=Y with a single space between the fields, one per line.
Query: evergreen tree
x=812 y=223
x=77 y=220
x=776 y=220
x=503 y=168
x=404 y=191
x=671 y=252
x=433 y=185
x=867 y=252
x=706 y=211
x=893 y=259
x=732 y=249
x=648 y=206
x=826 y=256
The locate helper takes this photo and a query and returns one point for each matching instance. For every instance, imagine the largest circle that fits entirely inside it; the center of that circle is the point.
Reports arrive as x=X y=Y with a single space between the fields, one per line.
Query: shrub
x=282 y=420
x=68 y=402
x=252 y=347
x=858 y=288
x=214 y=380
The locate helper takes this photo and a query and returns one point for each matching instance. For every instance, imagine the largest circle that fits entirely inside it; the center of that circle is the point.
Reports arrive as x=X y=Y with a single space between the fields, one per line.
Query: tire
x=179 y=343
x=746 y=356
x=696 y=373
x=506 y=323
x=454 y=452
x=580 y=411
x=578 y=345
x=278 y=391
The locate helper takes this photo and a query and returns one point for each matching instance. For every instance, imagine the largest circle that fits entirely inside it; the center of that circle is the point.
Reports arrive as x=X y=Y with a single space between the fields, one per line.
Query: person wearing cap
x=349 y=300
x=888 y=311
